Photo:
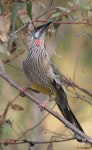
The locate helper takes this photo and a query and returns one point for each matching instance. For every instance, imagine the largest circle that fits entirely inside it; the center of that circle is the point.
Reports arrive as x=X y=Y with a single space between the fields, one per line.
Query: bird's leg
x=43 y=104
x=22 y=90
x=25 y=88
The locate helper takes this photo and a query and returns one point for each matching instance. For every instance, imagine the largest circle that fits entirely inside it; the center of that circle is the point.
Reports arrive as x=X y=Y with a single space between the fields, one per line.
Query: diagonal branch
x=86 y=138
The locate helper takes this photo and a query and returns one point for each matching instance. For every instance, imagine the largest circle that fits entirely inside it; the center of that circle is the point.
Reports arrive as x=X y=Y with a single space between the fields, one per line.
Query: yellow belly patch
x=43 y=90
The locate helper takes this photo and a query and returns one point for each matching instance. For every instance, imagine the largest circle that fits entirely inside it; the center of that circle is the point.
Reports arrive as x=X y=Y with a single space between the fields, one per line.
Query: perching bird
x=44 y=75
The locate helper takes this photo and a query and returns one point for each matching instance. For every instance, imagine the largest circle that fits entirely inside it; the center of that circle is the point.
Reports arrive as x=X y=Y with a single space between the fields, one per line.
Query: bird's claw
x=43 y=104
x=22 y=90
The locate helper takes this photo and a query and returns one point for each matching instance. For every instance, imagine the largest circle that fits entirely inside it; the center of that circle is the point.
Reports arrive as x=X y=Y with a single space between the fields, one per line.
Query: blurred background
x=69 y=45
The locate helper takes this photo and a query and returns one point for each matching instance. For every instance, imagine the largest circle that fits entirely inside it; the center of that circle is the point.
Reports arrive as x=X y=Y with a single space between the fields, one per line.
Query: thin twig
x=32 y=143
x=73 y=84
x=51 y=3
x=75 y=66
x=35 y=126
x=26 y=24
x=82 y=98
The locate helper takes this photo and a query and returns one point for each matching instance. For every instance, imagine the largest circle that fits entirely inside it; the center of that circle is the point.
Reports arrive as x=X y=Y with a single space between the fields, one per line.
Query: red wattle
x=37 y=42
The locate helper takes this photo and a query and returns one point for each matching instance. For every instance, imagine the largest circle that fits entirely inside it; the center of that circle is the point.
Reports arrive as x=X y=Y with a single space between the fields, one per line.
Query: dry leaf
x=16 y=107
x=4 y=28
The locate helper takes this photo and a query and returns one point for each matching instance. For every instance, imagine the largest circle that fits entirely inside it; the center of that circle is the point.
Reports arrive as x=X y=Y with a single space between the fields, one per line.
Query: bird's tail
x=68 y=114
x=61 y=101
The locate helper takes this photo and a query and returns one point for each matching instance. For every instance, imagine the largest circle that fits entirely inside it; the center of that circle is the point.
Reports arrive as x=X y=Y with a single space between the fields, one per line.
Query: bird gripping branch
x=44 y=75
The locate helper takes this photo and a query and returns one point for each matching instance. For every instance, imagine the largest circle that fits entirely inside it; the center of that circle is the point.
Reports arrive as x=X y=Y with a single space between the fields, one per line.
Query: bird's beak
x=42 y=30
x=45 y=26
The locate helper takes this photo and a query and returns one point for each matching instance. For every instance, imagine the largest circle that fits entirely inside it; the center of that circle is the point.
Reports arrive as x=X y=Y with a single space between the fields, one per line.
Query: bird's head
x=38 y=34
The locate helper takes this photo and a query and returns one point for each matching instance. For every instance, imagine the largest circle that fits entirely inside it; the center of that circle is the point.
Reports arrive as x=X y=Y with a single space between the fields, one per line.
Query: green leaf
x=2 y=8
x=19 y=22
x=29 y=9
x=56 y=26
x=14 y=8
x=85 y=5
x=56 y=14
x=42 y=4
x=58 y=18
x=63 y=9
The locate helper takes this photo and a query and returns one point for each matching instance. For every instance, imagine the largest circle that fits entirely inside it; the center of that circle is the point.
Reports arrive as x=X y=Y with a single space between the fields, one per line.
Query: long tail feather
x=64 y=107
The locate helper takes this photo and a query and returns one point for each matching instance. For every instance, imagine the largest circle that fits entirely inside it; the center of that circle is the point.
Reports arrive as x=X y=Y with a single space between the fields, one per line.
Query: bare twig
x=32 y=143
x=82 y=98
x=73 y=84
x=51 y=3
x=26 y=24
x=8 y=106
x=75 y=66
x=35 y=126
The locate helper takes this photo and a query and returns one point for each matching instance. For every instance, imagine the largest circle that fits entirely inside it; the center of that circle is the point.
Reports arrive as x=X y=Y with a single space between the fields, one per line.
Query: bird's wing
x=61 y=100
x=58 y=78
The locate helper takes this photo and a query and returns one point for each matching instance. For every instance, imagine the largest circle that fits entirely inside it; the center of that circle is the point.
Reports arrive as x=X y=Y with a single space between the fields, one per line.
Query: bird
x=45 y=77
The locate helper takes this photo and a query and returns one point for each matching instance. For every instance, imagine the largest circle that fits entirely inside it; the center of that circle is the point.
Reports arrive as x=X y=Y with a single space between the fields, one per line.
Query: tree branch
x=73 y=84
x=86 y=138
x=32 y=143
